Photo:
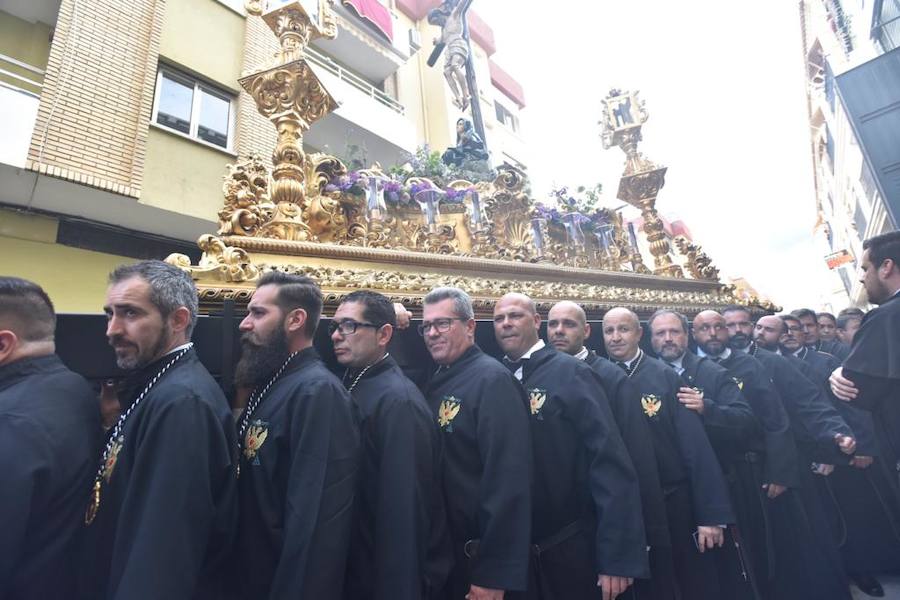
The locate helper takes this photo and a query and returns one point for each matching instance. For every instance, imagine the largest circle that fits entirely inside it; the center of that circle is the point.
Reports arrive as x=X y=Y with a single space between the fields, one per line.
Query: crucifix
x=459 y=69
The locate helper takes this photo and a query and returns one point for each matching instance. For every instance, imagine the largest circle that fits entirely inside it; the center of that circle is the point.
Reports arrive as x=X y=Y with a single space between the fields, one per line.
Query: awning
x=375 y=13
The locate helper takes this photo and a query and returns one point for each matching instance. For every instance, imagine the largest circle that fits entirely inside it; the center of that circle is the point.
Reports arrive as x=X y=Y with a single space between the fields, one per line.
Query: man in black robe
x=807 y=562
x=809 y=321
x=49 y=438
x=567 y=330
x=299 y=450
x=587 y=530
x=400 y=545
x=697 y=503
x=870 y=376
x=160 y=522
x=713 y=394
x=486 y=459
x=767 y=466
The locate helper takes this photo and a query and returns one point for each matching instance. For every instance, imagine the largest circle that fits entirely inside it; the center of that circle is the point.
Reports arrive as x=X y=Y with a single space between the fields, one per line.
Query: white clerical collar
x=744 y=350
x=518 y=373
x=798 y=352
x=724 y=355
x=583 y=353
x=628 y=363
x=181 y=347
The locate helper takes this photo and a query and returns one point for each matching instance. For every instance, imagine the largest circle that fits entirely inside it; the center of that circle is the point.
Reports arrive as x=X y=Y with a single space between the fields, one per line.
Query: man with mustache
x=160 y=519
x=807 y=561
x=400 y=545
x=710 y=391
x=809 y=320
x=767 y=466
x=49 y=437
x=697 y=502
x=587 y=530
x=567 y=330
x=299 y=450
x=486 y=461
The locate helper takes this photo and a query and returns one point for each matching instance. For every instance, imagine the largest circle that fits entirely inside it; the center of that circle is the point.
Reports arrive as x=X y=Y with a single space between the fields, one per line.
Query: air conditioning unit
x=415 y=40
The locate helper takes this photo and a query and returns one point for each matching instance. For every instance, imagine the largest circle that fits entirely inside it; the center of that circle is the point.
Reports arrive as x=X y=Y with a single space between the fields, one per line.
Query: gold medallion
x=448 y=411
x=91 y=512
x=651 y=404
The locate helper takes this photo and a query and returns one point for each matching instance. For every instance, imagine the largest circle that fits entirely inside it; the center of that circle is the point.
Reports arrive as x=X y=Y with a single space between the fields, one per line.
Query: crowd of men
x=741 y=460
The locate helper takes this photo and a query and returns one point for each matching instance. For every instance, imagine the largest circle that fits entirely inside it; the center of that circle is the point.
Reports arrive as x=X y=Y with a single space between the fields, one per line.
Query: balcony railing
x=33 y=78
x=354 y=80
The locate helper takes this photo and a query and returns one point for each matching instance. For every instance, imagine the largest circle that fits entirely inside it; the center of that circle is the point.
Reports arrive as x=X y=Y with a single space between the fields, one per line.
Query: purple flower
x=420 y=186
x=330 y=187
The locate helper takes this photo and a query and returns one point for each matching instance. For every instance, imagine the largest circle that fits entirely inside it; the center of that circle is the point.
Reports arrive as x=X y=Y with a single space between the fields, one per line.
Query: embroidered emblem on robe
x=536 y=399
x=447 y=412
x=255 y=437
x=113 y=457
x=651 y=404
x=739 y=382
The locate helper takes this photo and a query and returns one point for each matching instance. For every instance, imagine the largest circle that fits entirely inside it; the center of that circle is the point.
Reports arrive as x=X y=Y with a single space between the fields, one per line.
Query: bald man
x=567 y=330
x=697 y=502
x=587 y=530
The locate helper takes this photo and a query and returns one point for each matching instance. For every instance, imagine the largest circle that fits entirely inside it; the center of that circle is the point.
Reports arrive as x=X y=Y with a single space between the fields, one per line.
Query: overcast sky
x=724 y=85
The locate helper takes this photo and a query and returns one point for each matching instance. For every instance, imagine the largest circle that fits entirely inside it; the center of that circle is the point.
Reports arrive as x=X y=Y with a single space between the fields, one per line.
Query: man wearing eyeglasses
x=486 y=458
x=399 y=549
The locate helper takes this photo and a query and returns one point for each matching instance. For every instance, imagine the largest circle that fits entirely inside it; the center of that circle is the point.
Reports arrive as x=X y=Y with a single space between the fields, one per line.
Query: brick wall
x=97 y=98
x=255 y=133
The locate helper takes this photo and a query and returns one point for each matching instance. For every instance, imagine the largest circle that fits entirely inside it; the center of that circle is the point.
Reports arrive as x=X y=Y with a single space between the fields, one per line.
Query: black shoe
x=868 y=585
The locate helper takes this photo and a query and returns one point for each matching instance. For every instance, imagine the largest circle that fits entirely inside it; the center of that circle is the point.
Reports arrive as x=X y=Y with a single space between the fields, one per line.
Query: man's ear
x=180 y=319
x=9 y=341
x=384 y=334
x=295 y=320
x=887 y=267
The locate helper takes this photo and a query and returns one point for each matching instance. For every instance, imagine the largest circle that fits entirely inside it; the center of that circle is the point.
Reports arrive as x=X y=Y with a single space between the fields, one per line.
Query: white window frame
x=513 y=125
x=199 y=86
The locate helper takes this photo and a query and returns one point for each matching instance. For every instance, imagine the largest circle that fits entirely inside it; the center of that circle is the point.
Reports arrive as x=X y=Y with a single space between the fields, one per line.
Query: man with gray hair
x=486 y=463
x=163 y=505
x=49 y=434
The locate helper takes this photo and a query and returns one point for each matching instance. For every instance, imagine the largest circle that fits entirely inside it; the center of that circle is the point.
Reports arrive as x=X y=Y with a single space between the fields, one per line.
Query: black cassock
x=808 y=562
x=486 y=469
x=769 y=457
x=864 y=504
x=49 y=445
x=692 y=482
x=586 y=499
x=167 y=515
x=297 y=483
x=400 y=548
x=625 y=402
x=835 y=348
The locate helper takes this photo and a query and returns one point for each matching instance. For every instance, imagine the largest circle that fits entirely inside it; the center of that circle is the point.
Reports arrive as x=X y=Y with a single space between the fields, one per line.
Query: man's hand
x=692 y=398
x=612 y=585
x=842 y=387
x=846 y=443
x=709 y=537
x=403 y=315
x=822 y=469
x=773 y=490
x=861 y=462
x=480 y=593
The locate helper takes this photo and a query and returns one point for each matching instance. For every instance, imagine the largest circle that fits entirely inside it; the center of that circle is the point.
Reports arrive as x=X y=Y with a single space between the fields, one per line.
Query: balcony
x=366 y=116
x=363 y=49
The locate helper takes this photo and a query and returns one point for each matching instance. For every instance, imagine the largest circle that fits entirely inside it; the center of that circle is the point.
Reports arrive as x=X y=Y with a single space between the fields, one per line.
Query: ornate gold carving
x=698 y=263
x=218 y=262
x=246 y=191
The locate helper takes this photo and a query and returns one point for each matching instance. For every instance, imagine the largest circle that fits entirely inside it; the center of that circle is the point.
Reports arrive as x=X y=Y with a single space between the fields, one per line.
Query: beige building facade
x=119 y=119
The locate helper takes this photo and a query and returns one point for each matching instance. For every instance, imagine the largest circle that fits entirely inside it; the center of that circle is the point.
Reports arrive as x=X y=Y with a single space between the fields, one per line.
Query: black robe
x=807 y=561
x=400 y=549
x=586 y=499
x=297 y=483
x=625 y=402
x=49 y=444
x=864 y=504
x=770 y=457
x=486 y=469
x=166 y=521
x=692 y=481
x=835 y=348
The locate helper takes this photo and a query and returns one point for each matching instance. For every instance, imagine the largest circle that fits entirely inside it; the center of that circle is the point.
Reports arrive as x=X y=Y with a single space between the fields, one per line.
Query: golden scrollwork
x=246 y=191
x=219 y=262
x=699 y=264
